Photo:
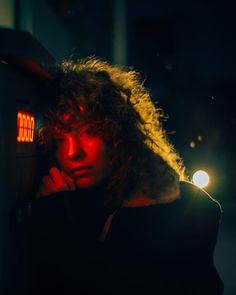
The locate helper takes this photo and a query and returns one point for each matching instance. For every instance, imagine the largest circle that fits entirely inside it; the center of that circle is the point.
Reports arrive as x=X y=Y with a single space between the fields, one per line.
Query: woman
x=116 y=215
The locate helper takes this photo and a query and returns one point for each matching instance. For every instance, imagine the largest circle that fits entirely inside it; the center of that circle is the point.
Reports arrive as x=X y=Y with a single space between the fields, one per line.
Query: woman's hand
x=56 y=181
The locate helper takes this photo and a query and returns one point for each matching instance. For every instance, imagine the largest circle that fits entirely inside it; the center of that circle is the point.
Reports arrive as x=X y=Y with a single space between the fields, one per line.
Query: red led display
x=25 y=127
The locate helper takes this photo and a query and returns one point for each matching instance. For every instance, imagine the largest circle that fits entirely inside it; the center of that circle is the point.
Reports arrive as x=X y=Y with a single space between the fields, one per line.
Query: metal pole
x=23 y=15
x=119 y=32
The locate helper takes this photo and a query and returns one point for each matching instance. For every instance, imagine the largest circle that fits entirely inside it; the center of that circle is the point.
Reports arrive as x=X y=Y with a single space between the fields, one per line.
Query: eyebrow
x=71 y=127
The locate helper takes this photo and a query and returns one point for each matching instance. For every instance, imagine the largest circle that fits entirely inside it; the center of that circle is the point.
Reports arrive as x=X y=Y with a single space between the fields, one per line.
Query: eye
x=88 y=130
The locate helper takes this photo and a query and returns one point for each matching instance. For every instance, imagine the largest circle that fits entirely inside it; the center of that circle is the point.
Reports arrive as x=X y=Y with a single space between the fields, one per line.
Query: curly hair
x=114 y=101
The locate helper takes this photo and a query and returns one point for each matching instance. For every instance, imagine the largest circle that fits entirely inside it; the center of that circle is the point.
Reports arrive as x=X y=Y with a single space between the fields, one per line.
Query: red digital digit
x=32 y=129
x=19 y=129
x=24 y=127
x=27 y=127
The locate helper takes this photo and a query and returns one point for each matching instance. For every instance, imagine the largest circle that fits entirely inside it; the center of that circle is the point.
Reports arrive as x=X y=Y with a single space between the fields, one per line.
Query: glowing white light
x=201 y=178
x=192 y=144
x=199 y=137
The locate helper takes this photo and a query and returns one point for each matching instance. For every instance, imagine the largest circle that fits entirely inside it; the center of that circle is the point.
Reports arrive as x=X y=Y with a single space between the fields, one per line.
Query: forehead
x=67 y=122
x=73 y=115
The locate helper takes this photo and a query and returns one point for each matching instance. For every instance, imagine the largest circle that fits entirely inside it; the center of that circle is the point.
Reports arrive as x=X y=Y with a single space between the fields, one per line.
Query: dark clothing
x=157 y=249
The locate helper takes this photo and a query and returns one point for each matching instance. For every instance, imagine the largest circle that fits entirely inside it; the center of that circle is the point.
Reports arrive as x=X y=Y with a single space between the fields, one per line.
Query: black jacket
x=157 y=249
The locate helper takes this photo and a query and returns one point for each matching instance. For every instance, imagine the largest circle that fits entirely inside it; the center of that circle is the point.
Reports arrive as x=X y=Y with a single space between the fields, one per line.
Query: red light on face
x=25 y=127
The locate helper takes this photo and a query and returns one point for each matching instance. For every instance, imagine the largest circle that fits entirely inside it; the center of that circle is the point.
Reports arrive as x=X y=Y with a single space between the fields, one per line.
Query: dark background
x=185 y=51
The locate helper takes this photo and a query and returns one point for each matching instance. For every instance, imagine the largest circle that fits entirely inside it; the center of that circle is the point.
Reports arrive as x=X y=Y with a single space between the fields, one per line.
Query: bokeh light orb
x=201 y=178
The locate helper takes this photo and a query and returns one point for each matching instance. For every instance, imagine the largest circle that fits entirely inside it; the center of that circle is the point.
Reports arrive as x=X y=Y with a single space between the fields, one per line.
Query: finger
x=58 y=179
x=69 y=180
x=48 y=183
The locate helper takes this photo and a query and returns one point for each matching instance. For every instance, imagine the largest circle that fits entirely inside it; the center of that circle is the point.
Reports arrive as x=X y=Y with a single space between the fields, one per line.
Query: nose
x=75 y=150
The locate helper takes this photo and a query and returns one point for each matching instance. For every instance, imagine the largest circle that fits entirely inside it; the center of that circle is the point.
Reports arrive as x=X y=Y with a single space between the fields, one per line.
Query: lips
x=81 y=170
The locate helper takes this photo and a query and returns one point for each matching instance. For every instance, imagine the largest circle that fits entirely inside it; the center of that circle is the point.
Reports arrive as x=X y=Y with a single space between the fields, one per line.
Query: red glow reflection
x=25 y=127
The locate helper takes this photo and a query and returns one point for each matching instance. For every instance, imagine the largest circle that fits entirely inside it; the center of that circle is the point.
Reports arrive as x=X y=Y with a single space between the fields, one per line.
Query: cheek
x=95 y=149
x=100 y=154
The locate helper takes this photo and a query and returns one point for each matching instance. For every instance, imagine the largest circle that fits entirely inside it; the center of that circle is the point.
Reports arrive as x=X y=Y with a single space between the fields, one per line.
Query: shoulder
x=193 y=211
x=198 y=202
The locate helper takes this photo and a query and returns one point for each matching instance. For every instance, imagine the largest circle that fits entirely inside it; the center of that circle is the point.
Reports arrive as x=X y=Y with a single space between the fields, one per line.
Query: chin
x=85 y=182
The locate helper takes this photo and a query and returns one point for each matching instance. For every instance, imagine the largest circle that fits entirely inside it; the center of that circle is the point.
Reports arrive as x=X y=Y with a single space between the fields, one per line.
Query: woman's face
x=83 y=157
